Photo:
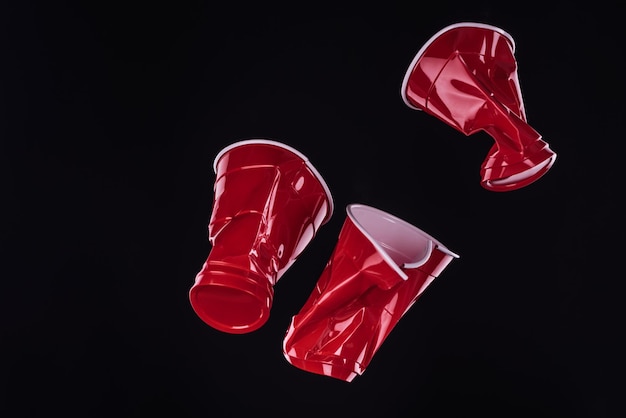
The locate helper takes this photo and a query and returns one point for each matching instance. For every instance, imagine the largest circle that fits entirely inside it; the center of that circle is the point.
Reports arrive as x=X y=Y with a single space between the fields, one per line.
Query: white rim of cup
x=408 y=225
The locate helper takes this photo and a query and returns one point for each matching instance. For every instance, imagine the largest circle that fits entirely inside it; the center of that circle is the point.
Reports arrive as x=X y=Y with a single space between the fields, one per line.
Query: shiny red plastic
x=269 y=202
x=466 y=75
x=378 y=269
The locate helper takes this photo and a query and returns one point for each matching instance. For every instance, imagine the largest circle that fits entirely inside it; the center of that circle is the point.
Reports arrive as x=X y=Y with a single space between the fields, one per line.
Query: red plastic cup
x=379 y=268
x=466 y=76
x=269 y=202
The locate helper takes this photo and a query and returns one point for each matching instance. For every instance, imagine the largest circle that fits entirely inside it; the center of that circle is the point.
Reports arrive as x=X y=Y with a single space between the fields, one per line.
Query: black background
x=111 y=115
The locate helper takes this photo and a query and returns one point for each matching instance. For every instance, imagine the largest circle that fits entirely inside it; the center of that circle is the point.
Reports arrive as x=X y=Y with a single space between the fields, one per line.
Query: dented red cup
x=466 y=76
x=379 y=268
x=269 y=203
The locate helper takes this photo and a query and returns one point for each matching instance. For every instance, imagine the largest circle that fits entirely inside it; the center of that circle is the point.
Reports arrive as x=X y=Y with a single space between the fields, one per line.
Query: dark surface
x=111 y=115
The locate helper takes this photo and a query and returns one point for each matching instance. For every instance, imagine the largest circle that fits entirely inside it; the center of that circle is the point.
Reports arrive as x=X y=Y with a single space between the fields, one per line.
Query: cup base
x=500 y=176
x=230 y=299
x=334 y=367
